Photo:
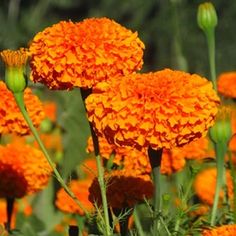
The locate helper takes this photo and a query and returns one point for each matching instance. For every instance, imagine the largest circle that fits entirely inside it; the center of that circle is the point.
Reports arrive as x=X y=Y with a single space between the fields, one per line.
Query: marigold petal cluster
x=224 y=230
x=81 y=190
x=50 y=109
x=68 y=54
x=123 y=189
x=126 y=157
x=226 y=84
x=11 y=119
x=205 y=184
x=158 y=110
x=23 y=170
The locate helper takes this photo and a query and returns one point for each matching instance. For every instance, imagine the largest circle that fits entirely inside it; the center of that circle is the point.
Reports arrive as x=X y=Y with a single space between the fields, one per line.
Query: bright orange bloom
x=11 y=119
x=224 y=230
x=158 y=110
x=205 y=184
x=123 y=189
x=80 y=188
x=23 y=170
x=227 y=84
x=68 y=54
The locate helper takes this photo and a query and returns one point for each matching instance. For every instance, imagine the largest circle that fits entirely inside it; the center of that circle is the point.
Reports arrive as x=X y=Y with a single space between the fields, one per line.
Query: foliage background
x=172 y=38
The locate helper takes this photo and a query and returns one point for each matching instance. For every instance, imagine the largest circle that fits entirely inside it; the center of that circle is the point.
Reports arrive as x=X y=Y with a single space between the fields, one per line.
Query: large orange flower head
x=161 y=110
x=227 y=84
x=81 y=190
x=205 y=184
x=11 y=119
x=224 y=230
x=68 y=54
x=124 y=189
x=23 y=170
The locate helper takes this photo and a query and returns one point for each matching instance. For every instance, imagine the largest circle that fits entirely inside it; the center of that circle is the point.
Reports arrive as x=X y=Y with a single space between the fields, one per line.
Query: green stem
x=155 y=161
x=20 y=102
x=84 y=94
x=103 y=194
x=210 y=35
x=220 y=150
x=138 y=223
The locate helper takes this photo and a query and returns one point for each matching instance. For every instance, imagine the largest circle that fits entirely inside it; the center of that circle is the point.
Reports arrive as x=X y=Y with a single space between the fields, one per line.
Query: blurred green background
x=167 y=27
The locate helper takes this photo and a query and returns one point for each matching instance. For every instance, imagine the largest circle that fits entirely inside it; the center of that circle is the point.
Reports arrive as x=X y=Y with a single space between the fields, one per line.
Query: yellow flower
x=158 y=110
x=68 y=54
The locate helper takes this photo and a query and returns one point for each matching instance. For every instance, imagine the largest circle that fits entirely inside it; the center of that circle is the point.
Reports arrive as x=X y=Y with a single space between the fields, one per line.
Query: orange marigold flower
x=158 y=110
x=123 y=189
x=89 y=167
x=205 y=184
x=11 y=119
x=224 y=230
x=81 y=190
x=23 y=170
x=68 y=54
x=227 y=84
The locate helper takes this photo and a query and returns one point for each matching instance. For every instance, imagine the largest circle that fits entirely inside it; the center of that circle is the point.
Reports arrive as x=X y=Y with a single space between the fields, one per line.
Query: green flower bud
x=206 y=16
x=15 y=62
x=221 y=132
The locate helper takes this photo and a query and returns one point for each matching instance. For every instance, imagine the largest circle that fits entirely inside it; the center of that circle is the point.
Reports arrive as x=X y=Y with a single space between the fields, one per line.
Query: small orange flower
x=158 y=110
x=80 y=188
x=89 y=167
x=205 y=184
x=23 y=170
x=224 y=230
x=11 y=119
x=68 y=54
x=123 y=189
x=227 y=84
x=50 y=109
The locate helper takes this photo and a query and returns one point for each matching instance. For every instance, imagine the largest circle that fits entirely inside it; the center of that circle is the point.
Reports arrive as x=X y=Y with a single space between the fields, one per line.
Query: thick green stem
x=220 y=150
x=20 y=102
x=84 y=94
x=138 y=223
x=210 y=35
x=155 y=161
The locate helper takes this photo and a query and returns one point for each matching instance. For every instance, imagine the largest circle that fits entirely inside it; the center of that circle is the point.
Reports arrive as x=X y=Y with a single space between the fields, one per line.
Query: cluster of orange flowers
x=82 y=54
x=158 y=110
x=23 y=170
